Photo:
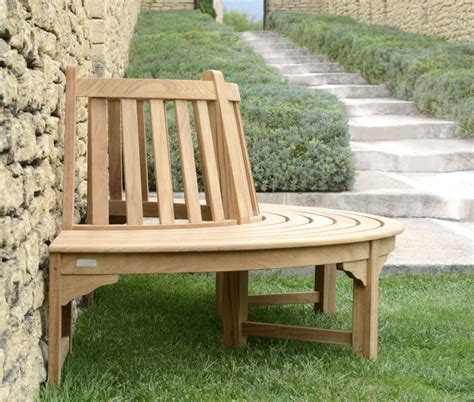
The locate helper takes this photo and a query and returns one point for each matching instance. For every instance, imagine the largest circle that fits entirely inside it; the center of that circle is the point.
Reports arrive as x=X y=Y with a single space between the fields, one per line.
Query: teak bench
x=228 y=233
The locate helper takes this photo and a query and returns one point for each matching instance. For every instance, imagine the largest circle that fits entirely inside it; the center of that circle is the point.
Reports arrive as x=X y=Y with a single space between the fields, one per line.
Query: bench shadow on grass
x=157 y=325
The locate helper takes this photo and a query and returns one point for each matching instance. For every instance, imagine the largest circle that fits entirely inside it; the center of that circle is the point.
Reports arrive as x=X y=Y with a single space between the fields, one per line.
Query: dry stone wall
x=167 y=5
x=38 y=38
x=451 y=19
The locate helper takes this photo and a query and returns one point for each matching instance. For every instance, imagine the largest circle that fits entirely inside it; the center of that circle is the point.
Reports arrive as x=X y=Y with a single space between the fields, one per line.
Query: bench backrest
x=117 y=152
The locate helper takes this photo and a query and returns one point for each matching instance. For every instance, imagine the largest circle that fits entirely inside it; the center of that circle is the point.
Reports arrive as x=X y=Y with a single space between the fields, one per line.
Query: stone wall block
x=451 y=19
x=38 y=39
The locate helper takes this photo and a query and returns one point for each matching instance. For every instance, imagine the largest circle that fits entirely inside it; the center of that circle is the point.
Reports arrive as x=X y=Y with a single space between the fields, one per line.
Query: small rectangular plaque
x=86 y=263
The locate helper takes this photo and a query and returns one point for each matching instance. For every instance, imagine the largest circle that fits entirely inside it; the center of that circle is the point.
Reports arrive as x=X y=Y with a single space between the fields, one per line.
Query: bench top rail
x=122 y=113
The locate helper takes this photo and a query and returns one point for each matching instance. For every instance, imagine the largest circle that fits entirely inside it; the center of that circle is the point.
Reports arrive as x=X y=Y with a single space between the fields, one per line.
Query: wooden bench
x=228 y=232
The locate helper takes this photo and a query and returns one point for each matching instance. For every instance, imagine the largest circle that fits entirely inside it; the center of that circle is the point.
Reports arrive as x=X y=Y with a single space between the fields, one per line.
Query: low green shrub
x=436 y=74
x=240 y=22
x=298 y=139
x=206 y=7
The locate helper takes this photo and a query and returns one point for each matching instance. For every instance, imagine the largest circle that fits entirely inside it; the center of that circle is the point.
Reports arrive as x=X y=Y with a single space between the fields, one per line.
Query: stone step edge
x=454 y=209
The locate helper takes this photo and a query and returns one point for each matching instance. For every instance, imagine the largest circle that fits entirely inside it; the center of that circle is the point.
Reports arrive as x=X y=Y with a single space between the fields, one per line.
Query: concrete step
x=273 y=61
x=302 y=68
x=272 y=46
x=432 y=155
x=323 y=78
x=432 y=246
x=258 y=34
x=378 y=106
x=255 y=43
x=392 y=127
x=284 y=53
x=355 y=91
x=429 y=246
x=413 y=195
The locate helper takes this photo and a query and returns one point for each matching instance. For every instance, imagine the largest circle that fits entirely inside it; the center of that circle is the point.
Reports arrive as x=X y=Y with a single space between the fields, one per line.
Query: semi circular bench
x=228 y=233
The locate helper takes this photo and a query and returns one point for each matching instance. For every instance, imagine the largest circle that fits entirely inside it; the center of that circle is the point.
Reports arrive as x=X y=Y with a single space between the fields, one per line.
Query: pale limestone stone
x=11 y=196
x=451 y=19
x=38 y=39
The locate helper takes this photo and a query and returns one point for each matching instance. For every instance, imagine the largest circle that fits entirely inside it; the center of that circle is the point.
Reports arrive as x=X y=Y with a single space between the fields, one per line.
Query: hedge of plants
x=298 y=140
x=436 y=74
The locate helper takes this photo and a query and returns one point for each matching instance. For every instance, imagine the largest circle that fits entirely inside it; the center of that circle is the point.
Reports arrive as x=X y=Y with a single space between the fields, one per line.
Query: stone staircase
x=408 y=166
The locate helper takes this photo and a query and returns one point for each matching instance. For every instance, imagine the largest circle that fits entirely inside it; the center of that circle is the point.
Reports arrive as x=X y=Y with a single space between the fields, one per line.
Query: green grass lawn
x=157 y=337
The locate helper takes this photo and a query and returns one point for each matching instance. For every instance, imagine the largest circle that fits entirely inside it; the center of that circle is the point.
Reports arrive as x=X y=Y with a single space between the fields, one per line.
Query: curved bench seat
x=282 y=227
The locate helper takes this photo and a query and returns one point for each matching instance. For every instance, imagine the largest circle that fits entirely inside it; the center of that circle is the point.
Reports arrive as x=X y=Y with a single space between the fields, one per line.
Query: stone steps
x=408 y=165
x=304 y=68
x=379 y=106
x=389 y=127
x=284 y=53
x=433 y=155
x=312 y=79
x=354 y=91
x=277 y=60
x=398 y=195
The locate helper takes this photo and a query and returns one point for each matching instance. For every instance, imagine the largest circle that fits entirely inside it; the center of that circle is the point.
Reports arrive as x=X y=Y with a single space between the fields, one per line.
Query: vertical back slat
x=188 y=166
x=115 y=151
x=208 y=158
x=131 y=153
x=218 y=140
x=241 y=196
x=98 y=162
x=142 y=145
x=245 y=153
x=164 y=183
x=69 y=148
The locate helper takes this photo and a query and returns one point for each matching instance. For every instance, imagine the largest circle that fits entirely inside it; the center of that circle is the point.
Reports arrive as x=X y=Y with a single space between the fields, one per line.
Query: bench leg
x=234 y=307
x=219 y=284
x=54 y=321
x=66 y=324
x=365 y=309
x=89 y=299
x=325 y=284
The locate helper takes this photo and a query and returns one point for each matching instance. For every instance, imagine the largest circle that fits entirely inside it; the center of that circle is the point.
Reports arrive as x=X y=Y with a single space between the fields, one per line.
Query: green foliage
x=436 y=74
x=206 y=7
x=297 y=139
x=157 y=337
x=240 y=22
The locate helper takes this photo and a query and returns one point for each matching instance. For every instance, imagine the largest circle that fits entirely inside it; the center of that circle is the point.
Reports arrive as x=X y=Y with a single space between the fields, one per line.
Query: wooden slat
x=98 y=162
x=222 y=161
x=67 y=322
x=208 y=159
x=65 y=346
x=365 y=308
x=54 y=321
x=250 y=328
x=142 y=146
x=287 y=298
x=325 y=284
x=188 y=166
x=248 y=169
x=233 y=148
x=115 y=150
x=118 y=208
x=150 y=258
x=234 y=308
x=183 y=226
x=164 y=184
x=120 y=88
x=69 y=148
x=131 y=152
